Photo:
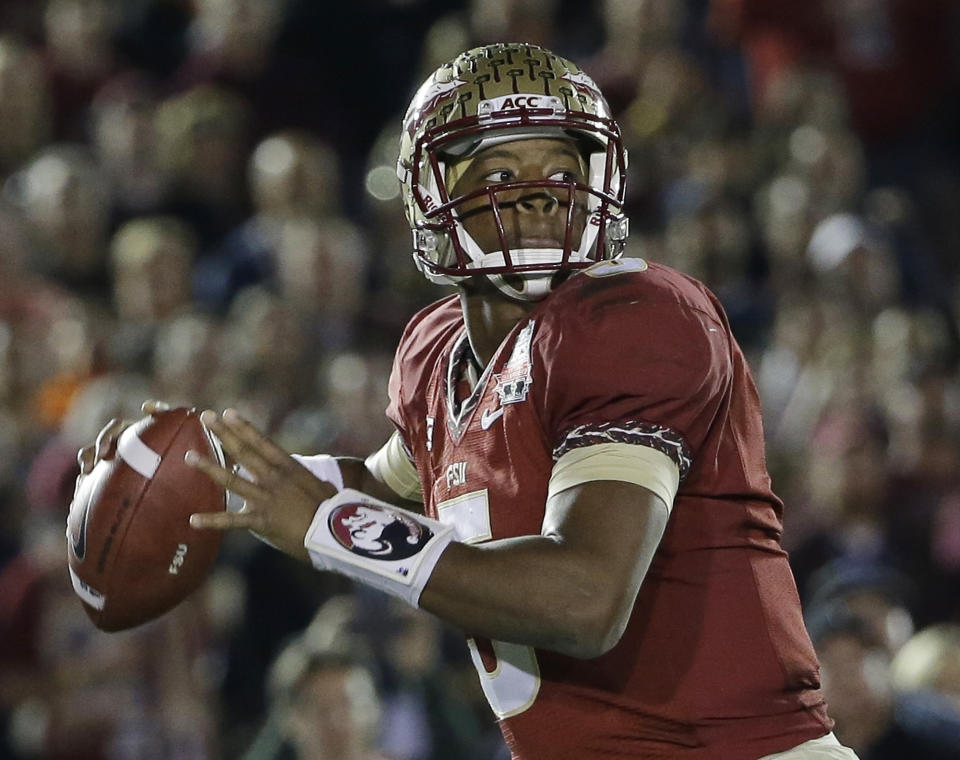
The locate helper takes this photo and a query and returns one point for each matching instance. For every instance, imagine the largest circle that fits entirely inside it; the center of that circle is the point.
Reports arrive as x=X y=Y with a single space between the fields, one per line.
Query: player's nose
x=541 y=202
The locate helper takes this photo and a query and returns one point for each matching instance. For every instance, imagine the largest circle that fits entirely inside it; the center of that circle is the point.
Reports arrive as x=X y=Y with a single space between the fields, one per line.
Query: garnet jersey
x=715 y=661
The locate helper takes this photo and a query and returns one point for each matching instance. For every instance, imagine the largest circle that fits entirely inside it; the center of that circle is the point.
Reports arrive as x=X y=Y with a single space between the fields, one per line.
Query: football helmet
x=495 y=94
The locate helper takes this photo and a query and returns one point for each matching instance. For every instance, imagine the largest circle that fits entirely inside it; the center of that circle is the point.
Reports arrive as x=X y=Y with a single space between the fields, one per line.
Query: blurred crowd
x=198 y=203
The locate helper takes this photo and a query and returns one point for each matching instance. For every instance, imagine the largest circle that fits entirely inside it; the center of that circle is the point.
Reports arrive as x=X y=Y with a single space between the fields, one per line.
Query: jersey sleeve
x=393 y=465
x=422 y=341
x=630 y=367
x=395 y=402
x=632 y=463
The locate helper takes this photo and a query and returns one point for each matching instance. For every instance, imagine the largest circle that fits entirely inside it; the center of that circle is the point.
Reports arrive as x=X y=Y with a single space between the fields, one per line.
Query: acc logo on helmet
x=513 y=102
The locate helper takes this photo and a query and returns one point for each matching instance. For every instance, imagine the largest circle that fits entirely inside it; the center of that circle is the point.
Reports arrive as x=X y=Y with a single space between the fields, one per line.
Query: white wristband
x=376 y=543
x=323 y=466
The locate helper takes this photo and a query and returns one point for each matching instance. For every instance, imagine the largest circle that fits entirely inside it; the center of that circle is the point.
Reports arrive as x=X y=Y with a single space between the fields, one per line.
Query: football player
x=578 y=463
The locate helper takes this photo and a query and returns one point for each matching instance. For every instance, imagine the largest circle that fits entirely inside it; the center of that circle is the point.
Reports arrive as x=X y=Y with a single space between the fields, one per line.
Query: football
x=131 y=552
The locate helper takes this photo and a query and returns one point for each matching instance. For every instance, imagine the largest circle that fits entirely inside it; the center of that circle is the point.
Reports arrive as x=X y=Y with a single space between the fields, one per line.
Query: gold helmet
x=499 y=93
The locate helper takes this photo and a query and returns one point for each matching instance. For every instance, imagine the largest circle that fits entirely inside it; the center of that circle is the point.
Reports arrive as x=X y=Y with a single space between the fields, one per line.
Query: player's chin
x=479 y=285
x=484 y=286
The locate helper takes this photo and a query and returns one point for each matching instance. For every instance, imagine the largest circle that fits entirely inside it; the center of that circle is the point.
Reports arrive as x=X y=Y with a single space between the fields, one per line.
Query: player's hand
x=105 y=446
x=281 y=494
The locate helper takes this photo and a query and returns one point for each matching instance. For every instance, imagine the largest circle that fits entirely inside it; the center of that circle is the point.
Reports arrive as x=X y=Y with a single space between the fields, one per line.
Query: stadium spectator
x=430 y=710
x=297 y=241
x=151 y=260
x=893 y=56
x=65 y=200
x=202 y=142
x=879 y=723
x=122 y=132
x=930 y=660
x=79 y=37
x=24 y=103
x=185 y=359
x=233 y=44
x=324 y=703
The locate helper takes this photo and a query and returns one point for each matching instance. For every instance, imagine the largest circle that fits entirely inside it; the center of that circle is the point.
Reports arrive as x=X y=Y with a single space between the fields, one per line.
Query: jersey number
x=514 y=683
x=469 y=515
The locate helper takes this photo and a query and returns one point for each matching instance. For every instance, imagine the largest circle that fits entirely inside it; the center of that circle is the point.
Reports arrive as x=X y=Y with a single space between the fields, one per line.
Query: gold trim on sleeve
x=632 y=463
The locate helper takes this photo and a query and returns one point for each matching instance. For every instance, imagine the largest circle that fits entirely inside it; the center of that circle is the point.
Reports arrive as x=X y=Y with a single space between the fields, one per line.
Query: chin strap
x=534 y=286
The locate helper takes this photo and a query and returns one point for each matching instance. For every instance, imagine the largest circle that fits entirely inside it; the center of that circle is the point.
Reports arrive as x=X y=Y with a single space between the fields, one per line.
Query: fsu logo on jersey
x=378 y=533
x=513 y=383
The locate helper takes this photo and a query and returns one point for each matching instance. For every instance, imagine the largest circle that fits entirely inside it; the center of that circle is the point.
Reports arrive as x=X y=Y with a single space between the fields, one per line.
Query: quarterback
x=577 y=475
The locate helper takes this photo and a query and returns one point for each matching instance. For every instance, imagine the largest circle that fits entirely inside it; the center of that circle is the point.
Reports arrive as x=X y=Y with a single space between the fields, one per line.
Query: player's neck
x=489 y=318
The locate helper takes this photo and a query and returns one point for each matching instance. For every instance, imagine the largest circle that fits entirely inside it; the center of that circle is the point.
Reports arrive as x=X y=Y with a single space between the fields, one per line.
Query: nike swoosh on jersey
x=488 y=418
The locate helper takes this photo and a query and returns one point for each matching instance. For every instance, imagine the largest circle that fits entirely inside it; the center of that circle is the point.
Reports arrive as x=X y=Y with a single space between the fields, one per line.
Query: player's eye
x=500 y=175
x=565 y=175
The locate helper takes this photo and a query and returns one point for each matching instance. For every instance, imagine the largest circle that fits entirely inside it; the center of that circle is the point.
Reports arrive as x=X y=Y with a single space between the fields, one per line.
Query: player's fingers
x=229 y=480
x=240 y=450
x=106 y=444
x=85 y=459
x=254 y=439
x=224 y=520
x=267 y=462
x=153 y=406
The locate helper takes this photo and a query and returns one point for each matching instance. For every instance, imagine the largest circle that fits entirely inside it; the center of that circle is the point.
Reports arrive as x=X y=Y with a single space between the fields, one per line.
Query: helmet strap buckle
x=425 y=241
x=618 y=229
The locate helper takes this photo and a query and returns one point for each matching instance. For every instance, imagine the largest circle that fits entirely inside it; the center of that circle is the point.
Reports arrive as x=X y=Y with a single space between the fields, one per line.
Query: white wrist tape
x=323 y=466
x=376 y=543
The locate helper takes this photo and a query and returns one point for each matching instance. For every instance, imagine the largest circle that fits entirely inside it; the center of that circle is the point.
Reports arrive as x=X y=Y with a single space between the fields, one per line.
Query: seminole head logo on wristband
x=378 y=533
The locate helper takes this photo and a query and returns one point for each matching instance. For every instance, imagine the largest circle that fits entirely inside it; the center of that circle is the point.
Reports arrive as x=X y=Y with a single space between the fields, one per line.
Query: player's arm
x=358 y=476
x=388 y=474
x=569 y=589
